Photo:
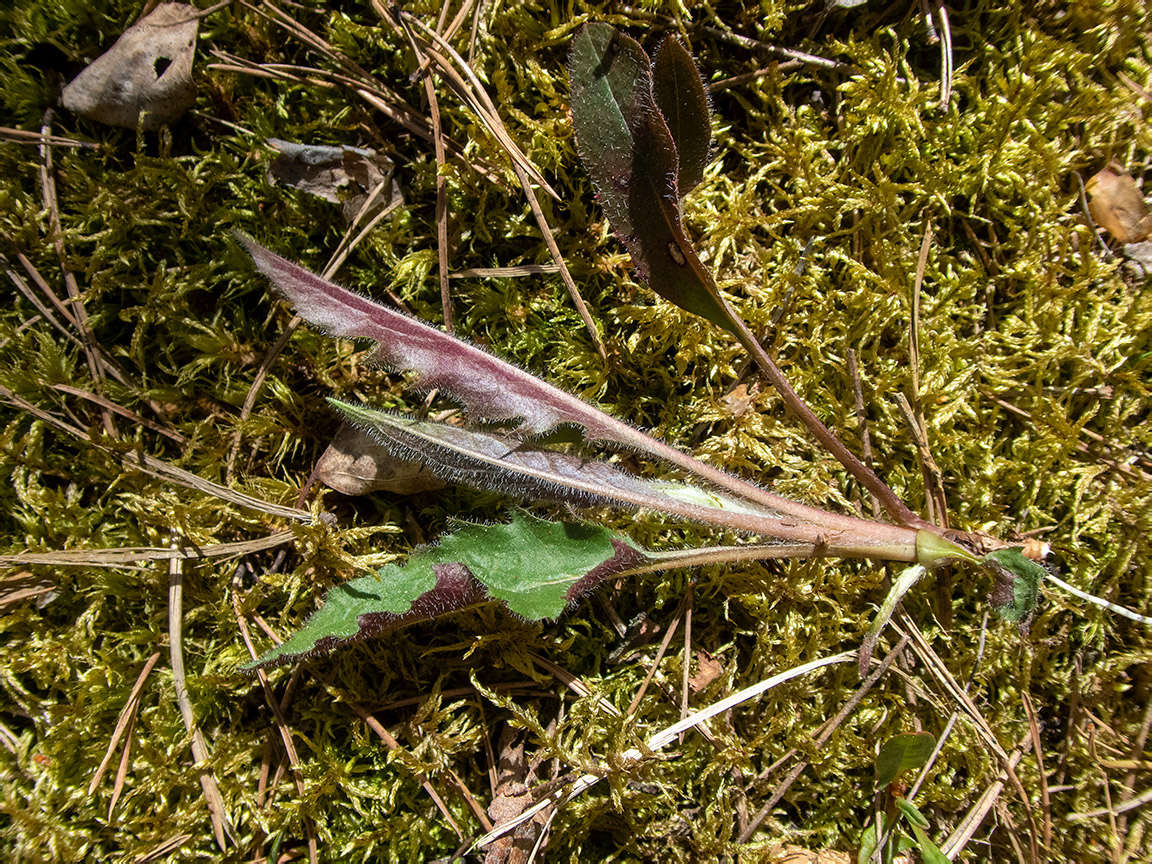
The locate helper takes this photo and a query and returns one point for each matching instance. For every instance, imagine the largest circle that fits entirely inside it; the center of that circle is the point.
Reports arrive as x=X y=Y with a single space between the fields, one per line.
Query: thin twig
x=826 y=733
x=176 y=653
x=80 y=315
x=665 y=737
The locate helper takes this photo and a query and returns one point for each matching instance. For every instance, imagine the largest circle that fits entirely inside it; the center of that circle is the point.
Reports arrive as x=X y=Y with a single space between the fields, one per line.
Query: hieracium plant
x=643 y=132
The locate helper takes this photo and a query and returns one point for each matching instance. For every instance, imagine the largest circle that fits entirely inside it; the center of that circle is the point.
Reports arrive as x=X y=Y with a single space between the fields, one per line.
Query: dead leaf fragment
x=354 y=464
x=708 y=670
x=145 y=78
x=343 y=175
x=1117 y=206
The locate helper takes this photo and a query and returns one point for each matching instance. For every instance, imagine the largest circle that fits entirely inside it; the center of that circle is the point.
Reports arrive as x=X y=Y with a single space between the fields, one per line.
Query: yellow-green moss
x=1018 y=304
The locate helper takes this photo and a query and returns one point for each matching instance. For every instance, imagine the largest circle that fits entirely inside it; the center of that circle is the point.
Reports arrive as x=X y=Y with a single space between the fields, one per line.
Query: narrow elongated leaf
x=629 y=153
x=490 y=388
x=534 y=566
x=683 y=102
x=496 y=462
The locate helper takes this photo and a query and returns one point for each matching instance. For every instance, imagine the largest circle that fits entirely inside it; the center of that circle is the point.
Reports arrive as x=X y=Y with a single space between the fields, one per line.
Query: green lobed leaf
x=628 y=151
x=903 y=753
x=683 y=102
x=534 y=566
x=1018 y=578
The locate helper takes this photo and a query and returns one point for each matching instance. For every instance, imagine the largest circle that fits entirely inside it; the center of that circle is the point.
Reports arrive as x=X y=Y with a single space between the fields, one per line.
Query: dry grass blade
x=124 y=720
x=441 y=184
x=164 y=470
x=826 y=732
x=23 y=136
x=128 y=556
x=554 y=251
x=977 y=813
x=278 y=709
x=573 y=683
x=504 y=272
x=24 y=586
x=1038 y=749
x=665 y=737
x=79 y=314
x=475 y=97
x=176 y=652
x=1134 y=473
x=107 y=403
x=392 y=744
x=944 y=677
x=162 y=850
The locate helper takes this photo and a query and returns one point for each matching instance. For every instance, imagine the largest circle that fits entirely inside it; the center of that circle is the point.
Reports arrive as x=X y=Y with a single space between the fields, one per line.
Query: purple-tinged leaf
x=683 y=102
x=630 y=155
x=488 y=387
x=497 y=462
x=537 y=568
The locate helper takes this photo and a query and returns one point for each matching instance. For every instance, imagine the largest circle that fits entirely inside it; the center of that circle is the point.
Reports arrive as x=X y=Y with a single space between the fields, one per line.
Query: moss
x=1018 y=305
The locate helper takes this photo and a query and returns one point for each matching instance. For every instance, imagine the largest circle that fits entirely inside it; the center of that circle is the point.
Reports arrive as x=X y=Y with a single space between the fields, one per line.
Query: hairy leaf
x=496 y=462
x=1018 y=578
x=488 y=387
x=629 y=153
x=683 y=102
x=534 y=566
x=492 y=389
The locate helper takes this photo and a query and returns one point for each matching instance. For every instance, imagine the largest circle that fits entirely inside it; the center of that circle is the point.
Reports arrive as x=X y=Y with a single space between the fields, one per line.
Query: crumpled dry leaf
x=515 y=776
x=1117 y=205
x=343 y=175
x=145 y=78
x=354 y=464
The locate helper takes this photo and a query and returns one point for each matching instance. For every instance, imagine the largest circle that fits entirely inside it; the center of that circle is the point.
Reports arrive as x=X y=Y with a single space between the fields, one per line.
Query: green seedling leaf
x=870 y=838
x=631 y=156
x=1017 y=590
x=929 y=852
x=911 y=812
x=683 y=102
x=534 y=566
x=903 y=753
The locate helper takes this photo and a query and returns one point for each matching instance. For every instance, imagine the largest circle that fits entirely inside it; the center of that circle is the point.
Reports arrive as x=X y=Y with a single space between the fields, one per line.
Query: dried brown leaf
x=1117 y=205
x=355 y=464
x=145 y=78
x=343 y=175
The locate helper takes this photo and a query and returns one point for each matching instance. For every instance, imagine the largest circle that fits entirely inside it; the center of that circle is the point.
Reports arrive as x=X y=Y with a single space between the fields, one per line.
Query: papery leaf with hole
x=534 y=566
x=903 y=753
x=683 y=102
x=630 y=154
